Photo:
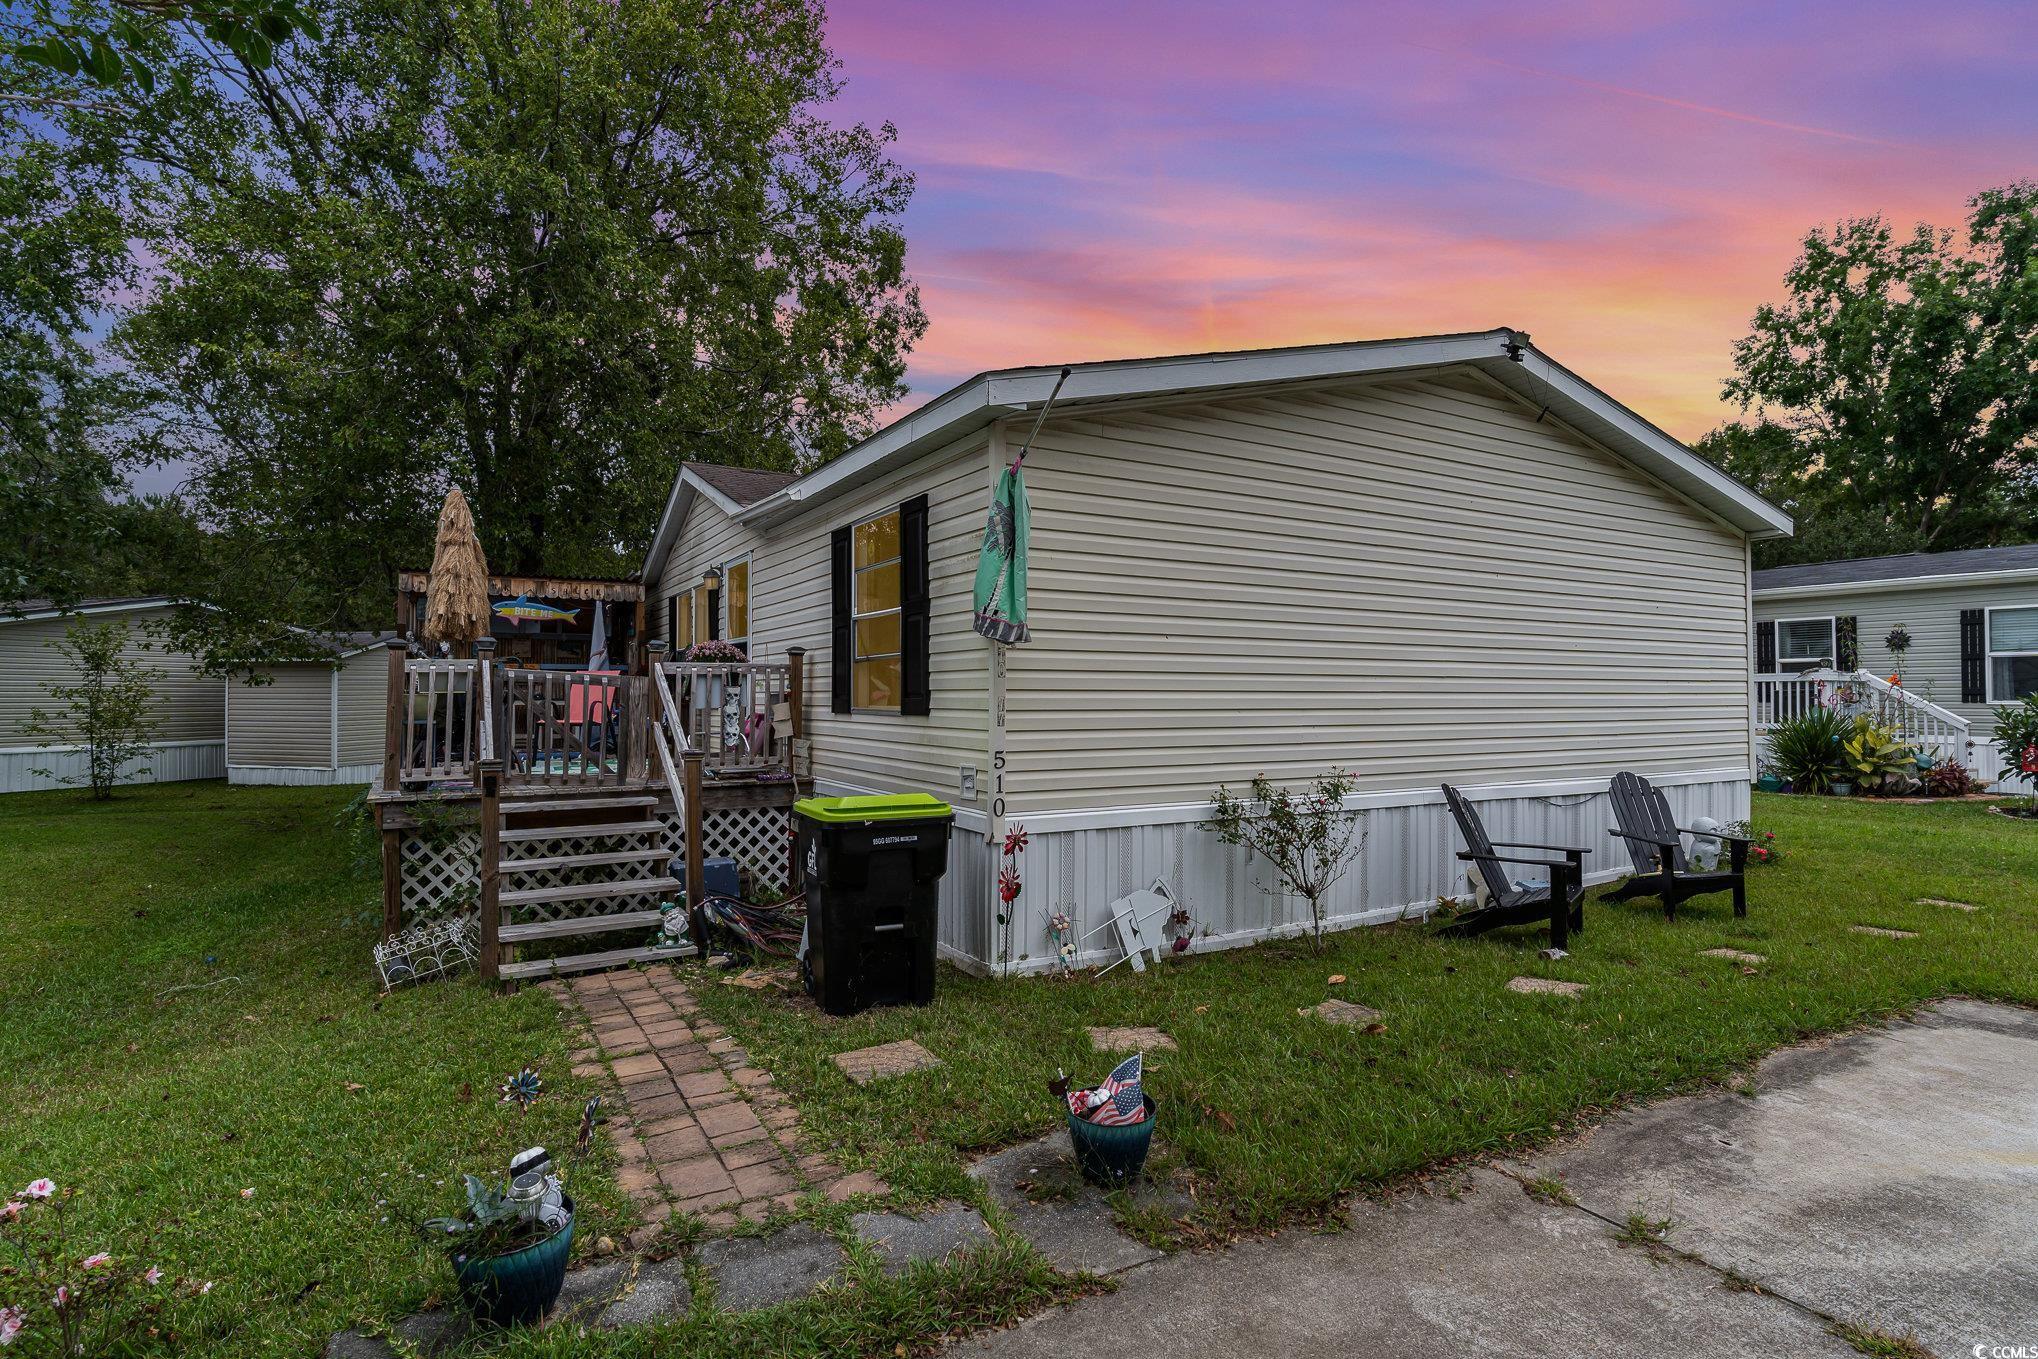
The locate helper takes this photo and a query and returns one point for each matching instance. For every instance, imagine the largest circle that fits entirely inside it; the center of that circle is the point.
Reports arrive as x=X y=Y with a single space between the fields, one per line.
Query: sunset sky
x=1625 y=181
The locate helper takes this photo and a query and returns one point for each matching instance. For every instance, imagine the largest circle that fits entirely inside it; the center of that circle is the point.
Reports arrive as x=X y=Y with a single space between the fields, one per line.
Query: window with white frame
x=1805 y=644
x=875 y=560
x=2012 y=654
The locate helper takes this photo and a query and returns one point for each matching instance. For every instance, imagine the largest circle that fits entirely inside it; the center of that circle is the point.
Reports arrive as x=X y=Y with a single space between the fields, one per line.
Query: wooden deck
x=559 y=798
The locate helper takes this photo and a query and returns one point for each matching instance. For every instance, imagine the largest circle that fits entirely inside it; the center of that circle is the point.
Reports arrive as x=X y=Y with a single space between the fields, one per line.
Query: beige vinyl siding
x=1932 y=614
x=790 y=603
x=189 y=706
x=285 y=723
x=364 y=707
x=1412 y=579
x=709 y=538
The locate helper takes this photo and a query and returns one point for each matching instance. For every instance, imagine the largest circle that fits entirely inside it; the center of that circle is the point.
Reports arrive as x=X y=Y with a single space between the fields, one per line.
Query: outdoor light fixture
x=711 y=579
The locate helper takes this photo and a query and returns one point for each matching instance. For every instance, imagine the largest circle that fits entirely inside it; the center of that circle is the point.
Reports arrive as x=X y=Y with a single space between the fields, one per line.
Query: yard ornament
x=456 y=604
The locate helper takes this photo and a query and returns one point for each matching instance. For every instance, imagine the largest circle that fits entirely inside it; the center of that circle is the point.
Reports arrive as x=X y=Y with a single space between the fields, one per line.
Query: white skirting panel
x=1409 y=860
x=1987 y=763
x=302 y=777
x=168 y=762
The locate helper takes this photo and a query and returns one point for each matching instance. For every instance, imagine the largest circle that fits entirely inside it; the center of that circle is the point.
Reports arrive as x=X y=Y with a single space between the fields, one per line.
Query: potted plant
x=509 y=1248
x=1769 y=781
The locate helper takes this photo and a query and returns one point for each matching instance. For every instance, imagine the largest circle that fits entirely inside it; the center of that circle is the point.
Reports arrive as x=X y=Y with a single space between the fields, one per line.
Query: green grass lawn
x=1275 y=1114
x=187 y=1010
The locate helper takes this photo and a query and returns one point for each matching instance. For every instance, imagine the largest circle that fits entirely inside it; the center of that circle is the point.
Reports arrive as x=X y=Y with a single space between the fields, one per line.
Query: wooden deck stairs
x=572 y=864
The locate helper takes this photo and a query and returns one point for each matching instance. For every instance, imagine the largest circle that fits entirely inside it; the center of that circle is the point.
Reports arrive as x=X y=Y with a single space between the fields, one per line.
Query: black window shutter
x=714 y=615
x=1765 y=648
x=841 y=653
x=1973 y=658
x=916 y=692
x=672 y=624
x=1847 y=641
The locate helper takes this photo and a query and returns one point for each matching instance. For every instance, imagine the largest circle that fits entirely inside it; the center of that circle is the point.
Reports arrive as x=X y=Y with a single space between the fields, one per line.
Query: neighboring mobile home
x=312 y=722
x=1972 y=618
x=189 y=740
x=1424 y=560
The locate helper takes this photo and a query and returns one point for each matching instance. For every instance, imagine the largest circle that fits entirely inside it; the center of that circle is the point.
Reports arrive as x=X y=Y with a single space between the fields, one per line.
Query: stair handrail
x=668 y=737
x=1909 y=699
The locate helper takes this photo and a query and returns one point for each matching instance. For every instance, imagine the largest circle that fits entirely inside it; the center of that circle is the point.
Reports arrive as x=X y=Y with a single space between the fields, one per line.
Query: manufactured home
x=1964 y=625
x=1444 y=559
x=189 y=740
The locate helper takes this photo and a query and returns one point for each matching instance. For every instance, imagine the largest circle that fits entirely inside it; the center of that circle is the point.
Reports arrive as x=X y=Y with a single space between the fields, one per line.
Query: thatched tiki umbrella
x=456 y=598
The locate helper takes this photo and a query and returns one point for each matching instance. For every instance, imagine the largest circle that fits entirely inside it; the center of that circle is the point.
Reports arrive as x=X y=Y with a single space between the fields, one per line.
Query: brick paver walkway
x=703 y=1131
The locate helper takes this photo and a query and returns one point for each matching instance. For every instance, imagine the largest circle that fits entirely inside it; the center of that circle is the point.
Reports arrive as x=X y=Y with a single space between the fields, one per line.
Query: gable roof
x=1908 y=570
x=743 y=485
x=1503 y=354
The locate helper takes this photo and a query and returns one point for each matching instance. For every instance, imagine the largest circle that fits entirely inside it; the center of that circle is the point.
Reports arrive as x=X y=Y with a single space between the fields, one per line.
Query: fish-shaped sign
x=524 y=609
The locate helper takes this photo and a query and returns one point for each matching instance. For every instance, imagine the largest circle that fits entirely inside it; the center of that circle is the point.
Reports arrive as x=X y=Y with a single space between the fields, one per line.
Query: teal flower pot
x=1112 y=1157
x=516 y=1289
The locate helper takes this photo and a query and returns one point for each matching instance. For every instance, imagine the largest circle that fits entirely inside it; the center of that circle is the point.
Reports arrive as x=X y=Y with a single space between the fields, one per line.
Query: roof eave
x=1856 y=587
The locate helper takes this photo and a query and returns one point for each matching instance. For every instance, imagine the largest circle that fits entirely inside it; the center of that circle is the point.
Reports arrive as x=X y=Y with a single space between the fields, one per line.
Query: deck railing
x=739 y=717
x=1932 y=729
x=588 y=728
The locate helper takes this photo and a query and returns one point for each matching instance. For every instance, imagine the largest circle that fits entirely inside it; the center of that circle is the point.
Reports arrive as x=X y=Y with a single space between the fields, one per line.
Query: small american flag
x=1124 y=1101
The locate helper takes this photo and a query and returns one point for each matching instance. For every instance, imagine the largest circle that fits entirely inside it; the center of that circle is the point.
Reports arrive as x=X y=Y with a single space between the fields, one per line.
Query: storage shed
x=311 y=722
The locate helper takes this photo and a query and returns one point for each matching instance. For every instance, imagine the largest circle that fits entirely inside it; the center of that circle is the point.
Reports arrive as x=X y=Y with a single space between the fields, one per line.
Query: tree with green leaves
x=63 y=248
x=540 y=251
x=109 y=707
x=1895 y=391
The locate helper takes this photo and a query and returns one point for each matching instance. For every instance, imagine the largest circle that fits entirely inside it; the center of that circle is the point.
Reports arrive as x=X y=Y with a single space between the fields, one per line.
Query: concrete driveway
x=1886 y=1181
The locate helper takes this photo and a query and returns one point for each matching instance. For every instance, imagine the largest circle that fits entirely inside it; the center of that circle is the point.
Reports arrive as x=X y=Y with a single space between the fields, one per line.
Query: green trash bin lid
x=874 y=807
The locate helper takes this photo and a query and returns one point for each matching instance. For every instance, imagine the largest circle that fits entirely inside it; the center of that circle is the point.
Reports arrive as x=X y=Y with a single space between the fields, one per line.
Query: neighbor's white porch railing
x=1941 y=734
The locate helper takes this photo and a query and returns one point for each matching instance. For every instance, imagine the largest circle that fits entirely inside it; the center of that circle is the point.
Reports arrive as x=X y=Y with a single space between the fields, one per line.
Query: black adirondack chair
x=1655 y=843
x=1562 y=903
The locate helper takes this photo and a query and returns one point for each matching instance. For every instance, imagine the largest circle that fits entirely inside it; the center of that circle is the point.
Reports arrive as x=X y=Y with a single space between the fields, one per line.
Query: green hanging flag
x=1001 y=567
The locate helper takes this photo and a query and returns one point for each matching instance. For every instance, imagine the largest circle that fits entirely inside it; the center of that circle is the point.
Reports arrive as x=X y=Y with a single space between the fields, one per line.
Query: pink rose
x=11 y=1321
x=153 y=1276
x=98 y=1261
x=39 y=1189
x=10 y=1210
x=63 y=1296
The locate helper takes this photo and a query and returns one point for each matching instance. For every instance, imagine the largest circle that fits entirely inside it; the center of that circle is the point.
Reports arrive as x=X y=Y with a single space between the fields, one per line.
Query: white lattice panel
x=441 y=870
x=441 y=873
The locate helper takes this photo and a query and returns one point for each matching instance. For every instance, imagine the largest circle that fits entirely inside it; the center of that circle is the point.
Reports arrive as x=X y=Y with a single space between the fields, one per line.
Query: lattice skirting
x=441 y=869
x=441 y=872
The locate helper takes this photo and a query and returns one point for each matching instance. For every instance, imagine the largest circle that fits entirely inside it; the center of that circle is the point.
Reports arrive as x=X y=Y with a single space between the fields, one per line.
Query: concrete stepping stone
x=426 y=1333
x=586 y=1290
x=1544 y=986
x=886 y=1059
x=1733 y=955
x=1109 y=1039
x=905 y=1241
x=1882 y=933
x=659 y=1291
x=759 y=1271
x=1942 y=901
x=1067 y=1219
x=1344 y=1012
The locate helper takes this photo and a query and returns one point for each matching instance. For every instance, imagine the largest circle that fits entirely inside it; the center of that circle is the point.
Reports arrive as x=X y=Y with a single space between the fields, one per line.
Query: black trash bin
x=873 y=869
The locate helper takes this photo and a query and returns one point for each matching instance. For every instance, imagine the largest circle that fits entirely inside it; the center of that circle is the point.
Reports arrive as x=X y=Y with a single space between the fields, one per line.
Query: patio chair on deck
x=1656 y=846
x=1562 y=901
